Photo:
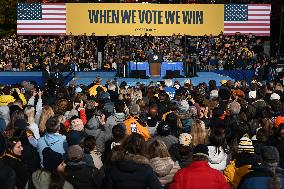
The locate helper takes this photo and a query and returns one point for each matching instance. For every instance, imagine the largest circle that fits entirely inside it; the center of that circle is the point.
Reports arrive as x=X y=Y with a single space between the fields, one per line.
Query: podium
x=155 y=69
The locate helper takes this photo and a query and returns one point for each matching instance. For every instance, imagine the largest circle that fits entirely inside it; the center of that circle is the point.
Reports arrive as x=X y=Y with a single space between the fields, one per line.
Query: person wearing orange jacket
x=133 y=125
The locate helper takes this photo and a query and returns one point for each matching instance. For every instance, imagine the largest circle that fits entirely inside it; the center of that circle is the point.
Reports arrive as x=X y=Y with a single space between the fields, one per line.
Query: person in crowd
x=219 y=154
x=164 y=133
x=267 y=175
x=198 y=133
x=47 y=112
x=181 y=152
x=79 y=173
x=113 y=145
x=91 y=156
x=7 y=174
x=130 y=167
x=134 y=124
x=193 y=175
x=52 y=138
x=119 y=116
x=12 y=158
x=240 y=166
x=52 y=175
x=161 y=162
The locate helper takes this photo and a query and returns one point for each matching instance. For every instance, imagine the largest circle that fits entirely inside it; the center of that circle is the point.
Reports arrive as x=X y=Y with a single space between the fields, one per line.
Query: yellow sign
x=137 y=19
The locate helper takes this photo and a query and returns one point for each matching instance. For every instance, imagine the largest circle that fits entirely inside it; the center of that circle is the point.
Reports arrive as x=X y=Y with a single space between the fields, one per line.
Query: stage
x=87 y=78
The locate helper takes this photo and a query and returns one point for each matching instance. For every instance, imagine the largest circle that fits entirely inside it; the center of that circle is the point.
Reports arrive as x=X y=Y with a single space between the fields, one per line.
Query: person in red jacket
x=199 y=175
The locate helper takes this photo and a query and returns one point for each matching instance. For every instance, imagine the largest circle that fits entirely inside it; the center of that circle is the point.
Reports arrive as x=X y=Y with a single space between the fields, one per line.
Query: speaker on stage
x=172 y=74
x=138 y=74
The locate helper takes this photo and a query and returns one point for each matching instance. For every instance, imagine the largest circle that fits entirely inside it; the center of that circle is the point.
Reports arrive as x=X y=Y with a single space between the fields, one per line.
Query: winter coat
x=41 y=180
x=183 y=159
x=259 y=178
x=101 y=133
x=132 y=171
x=7 y=176
x=138 y=127
x=30 y=157
x=165 y=168
x=21 y=170
x=115 y=119
x=218 y=158
x=6 y=99
x=55 y=141
x=82 y=176
x=199 y=175
x=234 y=175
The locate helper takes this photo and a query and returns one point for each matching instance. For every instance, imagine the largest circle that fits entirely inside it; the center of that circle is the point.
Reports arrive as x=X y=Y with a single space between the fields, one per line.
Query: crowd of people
x=81 y=52
x=19 y=53
x=167 y=135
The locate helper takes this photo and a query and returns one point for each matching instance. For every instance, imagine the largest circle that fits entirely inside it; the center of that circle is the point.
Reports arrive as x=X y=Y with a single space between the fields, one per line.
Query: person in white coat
x=219 y=153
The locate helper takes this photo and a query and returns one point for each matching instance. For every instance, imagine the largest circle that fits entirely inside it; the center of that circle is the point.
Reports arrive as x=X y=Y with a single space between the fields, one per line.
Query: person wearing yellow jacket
x=98 y=83
x=240 y=166
x=6 y=99
x=132 y=124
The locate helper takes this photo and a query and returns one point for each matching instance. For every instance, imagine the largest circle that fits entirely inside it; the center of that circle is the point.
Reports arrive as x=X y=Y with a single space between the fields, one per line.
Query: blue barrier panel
x=139 y=66
x=171 y=66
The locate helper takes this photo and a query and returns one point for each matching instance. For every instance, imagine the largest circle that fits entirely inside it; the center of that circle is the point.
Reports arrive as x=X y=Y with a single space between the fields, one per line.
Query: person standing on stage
x=46 y=75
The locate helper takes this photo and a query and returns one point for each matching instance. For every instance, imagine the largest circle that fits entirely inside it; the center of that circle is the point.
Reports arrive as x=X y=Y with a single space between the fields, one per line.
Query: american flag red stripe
x=258 y=22
x=53 y=21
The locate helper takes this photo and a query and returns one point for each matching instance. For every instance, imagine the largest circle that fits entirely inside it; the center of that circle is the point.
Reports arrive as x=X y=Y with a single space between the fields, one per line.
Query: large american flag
x=41 y=18
x=251 y=18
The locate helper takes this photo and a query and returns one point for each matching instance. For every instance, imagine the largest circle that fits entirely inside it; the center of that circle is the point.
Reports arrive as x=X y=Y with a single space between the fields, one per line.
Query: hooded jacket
x=165 y=168
x=132 y=171
x=41 y=180
x=55 y=141
x=101 y=133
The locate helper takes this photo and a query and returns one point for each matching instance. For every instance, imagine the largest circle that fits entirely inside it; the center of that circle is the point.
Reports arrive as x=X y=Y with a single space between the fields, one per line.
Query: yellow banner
x=137 y=19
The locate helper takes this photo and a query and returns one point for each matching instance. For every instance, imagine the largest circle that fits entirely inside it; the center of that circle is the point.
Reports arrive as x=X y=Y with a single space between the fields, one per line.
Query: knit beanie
x=185 y=139
x=245 y=145
x=201 y=150
x=51 y=159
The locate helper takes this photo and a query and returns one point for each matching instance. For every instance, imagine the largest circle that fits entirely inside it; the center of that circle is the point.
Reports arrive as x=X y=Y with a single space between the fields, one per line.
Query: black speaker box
x=172 y=74
x=138 y=74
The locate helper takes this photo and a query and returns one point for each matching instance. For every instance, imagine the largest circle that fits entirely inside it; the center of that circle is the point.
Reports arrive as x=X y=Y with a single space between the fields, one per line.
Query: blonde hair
x=158 y=149
x=47 y=113
x=198 y=132
x=30 y=113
